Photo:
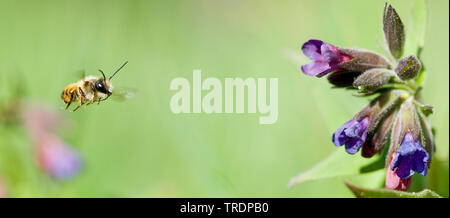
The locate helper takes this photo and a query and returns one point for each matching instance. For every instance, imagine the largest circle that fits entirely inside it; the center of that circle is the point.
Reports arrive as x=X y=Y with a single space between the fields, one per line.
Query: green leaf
x=387 y=193
x=438 y=178
x=369 y=180
x=337 y=164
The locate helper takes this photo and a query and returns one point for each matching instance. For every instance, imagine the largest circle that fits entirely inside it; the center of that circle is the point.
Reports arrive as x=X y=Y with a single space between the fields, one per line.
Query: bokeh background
x=140 y=149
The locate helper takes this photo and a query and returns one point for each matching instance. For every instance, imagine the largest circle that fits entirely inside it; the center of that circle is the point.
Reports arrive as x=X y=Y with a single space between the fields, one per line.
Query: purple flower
x=352 y=134
x=58 y=159
x=326 y=58
x=410 y=157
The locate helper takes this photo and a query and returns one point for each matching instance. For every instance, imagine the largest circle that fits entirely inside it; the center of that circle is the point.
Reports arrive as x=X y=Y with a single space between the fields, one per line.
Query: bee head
x=103 y=86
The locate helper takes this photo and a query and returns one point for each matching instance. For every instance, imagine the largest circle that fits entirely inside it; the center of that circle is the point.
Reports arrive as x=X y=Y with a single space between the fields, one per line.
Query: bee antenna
x=126 y=62
x=104 y=77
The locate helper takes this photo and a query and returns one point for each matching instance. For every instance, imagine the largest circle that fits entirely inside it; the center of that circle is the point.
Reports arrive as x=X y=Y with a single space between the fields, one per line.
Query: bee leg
x=78 y=106
x=82 y=97
x=67 y=106
x=81 y=91
x=85 y=104
x=71 y=98
x=88 y=103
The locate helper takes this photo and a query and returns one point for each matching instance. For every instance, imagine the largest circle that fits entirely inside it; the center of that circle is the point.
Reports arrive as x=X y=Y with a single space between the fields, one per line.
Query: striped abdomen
x=67 y=93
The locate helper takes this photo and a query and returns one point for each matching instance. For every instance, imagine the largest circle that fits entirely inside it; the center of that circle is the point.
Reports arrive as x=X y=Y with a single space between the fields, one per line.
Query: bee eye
x=99 y=86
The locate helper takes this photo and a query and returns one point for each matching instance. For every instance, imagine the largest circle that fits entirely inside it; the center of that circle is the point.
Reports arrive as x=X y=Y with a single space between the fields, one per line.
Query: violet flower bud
x=352 y=134
x=359 y=131
x=326 y=58
x=410 y=157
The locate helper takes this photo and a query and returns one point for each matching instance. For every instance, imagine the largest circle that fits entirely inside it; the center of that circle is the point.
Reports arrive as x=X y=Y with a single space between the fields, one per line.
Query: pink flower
x=53 y=155
x=393 y=181
x=39 y=120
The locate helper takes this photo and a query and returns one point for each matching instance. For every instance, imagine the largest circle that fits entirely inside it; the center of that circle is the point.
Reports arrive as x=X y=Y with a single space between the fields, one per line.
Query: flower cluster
x=395 y=115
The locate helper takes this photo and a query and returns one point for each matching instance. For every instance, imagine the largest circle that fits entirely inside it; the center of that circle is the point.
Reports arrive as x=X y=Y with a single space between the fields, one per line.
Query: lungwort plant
x=394 y=123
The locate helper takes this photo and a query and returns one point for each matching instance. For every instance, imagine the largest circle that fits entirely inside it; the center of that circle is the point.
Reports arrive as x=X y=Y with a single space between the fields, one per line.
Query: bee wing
x=80 y=74
x=122 y=94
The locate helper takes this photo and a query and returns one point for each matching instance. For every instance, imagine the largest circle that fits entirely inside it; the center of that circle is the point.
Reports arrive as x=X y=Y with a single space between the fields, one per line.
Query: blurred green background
x=141 y=149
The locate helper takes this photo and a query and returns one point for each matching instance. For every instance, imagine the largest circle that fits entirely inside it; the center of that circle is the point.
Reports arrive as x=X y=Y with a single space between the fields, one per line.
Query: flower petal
x=311 y=49
x=315 y=68
x=404 y=169
x=410 y=157
x=396 y=183
x=353 y=145
x=338 y=137
x=330 y=54
x=420 y=162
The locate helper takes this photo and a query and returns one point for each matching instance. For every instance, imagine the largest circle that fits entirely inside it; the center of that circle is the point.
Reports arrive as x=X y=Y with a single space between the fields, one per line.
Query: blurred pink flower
x=39 y=120
x=57 y=159
x=53 y=155
x=3 y=192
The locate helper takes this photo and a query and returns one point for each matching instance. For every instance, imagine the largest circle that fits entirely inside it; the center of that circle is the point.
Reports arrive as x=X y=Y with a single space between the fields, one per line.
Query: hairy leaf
x=387 y=193
x=394 y=32
x=337 y=164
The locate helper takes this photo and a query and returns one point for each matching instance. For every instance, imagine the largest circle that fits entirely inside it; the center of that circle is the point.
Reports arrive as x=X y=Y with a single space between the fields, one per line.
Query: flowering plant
x=45 y=150
x=394 y=124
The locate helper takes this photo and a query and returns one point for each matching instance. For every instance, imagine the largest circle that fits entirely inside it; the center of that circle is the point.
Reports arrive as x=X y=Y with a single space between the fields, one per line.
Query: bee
x=90 y=89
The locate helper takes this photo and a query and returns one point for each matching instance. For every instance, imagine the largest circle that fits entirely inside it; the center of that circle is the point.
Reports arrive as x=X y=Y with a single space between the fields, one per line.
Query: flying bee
x=91 y=89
